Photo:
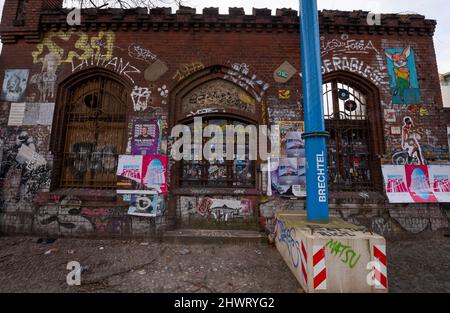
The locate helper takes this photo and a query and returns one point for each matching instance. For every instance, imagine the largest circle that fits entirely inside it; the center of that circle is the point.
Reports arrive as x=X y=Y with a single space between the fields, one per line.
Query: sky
x=432 y=9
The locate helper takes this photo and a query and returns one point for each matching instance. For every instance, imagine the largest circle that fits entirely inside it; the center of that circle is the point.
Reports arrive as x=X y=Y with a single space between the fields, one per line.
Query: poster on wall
x=402 y=71
x=417 y=183
x=440 y=182
x=292 y=144
x=143 y=203
x=14 y=85
x=149 y=171
x=289 y=176
x=146 y=137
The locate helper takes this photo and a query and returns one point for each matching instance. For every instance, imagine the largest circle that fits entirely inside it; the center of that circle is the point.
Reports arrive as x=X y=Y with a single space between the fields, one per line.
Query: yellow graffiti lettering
x=84 y=47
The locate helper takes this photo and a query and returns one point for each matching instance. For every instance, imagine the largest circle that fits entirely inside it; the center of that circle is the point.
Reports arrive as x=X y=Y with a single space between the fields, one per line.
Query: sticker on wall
x=396 y=130
x=403 y=76
x=284 y=73
x=155 y=71
x=390 y=116
x=146 y=137
x=284 y=94
x=14 y=85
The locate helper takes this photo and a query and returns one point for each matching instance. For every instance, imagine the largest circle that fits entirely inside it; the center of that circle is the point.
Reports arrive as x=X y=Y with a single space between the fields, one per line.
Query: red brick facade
x=177 y=53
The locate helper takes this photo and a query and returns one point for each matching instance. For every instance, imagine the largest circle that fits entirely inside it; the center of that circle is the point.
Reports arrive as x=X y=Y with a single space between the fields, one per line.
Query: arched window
x=219 y=172
x=350 y=151
x=95 y=130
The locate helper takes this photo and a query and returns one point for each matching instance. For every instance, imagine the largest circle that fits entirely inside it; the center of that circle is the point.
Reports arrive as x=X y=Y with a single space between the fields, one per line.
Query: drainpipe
x=315 y=134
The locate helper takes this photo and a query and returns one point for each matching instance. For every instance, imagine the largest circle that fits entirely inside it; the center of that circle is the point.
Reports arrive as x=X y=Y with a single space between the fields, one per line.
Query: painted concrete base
x=337 y=257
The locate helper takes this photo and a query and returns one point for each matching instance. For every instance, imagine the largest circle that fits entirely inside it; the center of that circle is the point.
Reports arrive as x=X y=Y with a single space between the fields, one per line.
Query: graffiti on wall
x=354 y=65
x=87 y=156
x=140 y=97
x=23 y=157
x=83 y=46
x=14 y=85
x=403 y=76
x=219 y=94
x=137 y=52
x=187 y=69
x=222 y=210
x=286 y=235
x=117 y=64
x=347 y=255
x=410 y=144
x=46 y=79
x=347 y=45
x=239 y=73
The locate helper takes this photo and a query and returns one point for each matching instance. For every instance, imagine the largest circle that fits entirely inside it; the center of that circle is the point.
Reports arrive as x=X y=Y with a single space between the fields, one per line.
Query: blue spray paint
x=315 y=135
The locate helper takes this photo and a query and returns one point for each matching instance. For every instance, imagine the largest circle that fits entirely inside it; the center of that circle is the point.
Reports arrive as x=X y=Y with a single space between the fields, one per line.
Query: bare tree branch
x=123 y=4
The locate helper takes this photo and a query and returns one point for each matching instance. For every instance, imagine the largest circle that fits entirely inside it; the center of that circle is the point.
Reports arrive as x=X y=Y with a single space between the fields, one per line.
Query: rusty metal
x=95 y=134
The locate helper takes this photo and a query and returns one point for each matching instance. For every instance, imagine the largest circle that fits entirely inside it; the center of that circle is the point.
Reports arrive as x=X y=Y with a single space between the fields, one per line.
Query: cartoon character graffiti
x=403 y=74
x=140 y=97
x=412 y=151
x=46 y=80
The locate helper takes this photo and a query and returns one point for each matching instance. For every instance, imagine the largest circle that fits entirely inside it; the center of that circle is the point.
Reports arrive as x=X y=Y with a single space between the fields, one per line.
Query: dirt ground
x=416 y=264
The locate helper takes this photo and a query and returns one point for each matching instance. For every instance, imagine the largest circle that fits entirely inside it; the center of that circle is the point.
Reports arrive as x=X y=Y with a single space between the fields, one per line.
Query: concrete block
x=337 y=257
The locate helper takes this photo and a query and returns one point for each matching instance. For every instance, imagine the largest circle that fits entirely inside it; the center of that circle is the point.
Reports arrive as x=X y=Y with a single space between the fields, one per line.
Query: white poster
x=417 y=184
x=130 y=167
x=16 y=114
x=440 y=182
x=395 y=184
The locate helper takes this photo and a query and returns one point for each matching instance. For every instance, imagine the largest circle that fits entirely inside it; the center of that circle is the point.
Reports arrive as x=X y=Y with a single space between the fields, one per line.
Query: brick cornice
x=186 y=20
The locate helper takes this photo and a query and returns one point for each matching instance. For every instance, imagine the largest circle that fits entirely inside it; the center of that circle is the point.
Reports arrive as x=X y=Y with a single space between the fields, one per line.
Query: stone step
x=207 y=236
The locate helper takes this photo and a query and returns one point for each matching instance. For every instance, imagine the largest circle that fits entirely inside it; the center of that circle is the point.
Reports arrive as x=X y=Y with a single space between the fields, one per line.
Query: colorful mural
x=404 y=83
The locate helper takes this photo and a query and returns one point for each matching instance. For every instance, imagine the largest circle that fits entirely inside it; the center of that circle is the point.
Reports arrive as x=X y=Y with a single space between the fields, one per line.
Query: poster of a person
x=146 y=137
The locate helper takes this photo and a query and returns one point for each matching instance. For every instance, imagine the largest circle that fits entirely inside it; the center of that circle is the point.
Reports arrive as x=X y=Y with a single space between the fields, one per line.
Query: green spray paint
x=346 y=254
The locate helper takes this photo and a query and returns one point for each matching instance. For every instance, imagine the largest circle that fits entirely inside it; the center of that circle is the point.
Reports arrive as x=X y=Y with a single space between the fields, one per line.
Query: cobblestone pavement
x=416 y=264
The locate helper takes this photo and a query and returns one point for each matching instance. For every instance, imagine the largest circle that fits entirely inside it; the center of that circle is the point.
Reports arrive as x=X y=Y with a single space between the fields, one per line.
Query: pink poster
x=418 y=183
x=150 y=171
x=154 y=173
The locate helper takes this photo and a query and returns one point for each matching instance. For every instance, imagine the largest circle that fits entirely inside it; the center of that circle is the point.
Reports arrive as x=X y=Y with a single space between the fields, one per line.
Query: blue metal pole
x=315 y=134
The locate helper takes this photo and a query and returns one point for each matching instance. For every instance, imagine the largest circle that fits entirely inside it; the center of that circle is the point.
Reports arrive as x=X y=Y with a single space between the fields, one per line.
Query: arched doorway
x=91 y=130
x=220 y=192
x=353 y=118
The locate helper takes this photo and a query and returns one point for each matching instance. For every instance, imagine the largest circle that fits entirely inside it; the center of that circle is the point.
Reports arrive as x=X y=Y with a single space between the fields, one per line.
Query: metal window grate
x=95 y=134
x=219 y=173
x=350 y=162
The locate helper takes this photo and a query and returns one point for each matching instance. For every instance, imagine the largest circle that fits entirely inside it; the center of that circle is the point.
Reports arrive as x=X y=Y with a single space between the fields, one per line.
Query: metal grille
x=95 y=134
x=349 y=159
x=219 y=173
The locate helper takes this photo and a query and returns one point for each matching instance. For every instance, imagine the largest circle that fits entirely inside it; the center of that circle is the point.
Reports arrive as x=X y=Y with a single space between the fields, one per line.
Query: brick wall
x=134 y=45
